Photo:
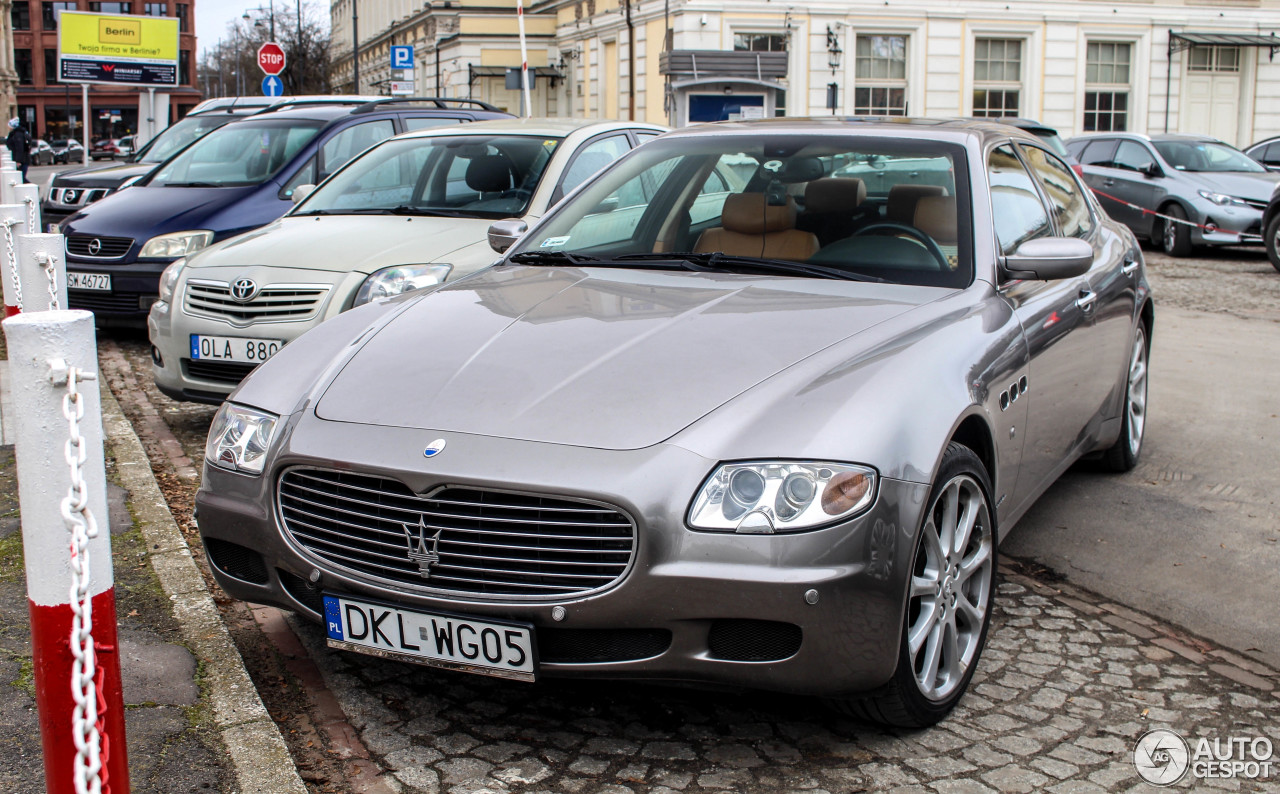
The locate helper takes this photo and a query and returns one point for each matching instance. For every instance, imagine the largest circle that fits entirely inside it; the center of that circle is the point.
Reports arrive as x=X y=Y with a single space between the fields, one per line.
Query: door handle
x=1108 y=183
x=1086 y=299
x=1130 y=266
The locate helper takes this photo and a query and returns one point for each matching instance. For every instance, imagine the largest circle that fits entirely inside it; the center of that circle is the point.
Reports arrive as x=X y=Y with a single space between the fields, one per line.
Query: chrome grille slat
x=272 y=303
x=489 y=543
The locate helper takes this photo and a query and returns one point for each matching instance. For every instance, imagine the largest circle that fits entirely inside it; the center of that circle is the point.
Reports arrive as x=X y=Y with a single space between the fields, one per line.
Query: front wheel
x=1123 y=455
x=1175 y=236
x=948 y=601
x=1272 y=238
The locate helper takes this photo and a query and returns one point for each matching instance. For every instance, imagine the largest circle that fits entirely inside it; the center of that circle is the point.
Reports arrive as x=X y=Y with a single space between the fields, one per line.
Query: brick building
x=47 y=106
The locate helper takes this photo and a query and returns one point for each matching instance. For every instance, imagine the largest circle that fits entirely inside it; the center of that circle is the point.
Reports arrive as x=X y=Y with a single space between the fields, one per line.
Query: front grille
x=1257 y=204
x=236 y=560
x=96 y=301
x=231 y=372
x=753 y=640
x=306 y=593
x=587 y=646
x=272 y=304
x=108 y=247
x=484 y=542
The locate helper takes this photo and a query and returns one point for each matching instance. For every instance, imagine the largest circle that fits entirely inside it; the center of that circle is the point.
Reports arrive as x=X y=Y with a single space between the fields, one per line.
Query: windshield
x=176 y=136
x=481 y=176
x=248 y=153
x=862 y=207
x=1205 y=156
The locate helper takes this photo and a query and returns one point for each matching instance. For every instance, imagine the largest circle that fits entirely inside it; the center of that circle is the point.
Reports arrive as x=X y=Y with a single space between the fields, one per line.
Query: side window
x=1070 y=207
x=1015 y=205
x=643 y=136
x=427 y=122
x=306 y=176
x=592 y=158
x=1098 y=153
x=1133 y=156
x=352 y=141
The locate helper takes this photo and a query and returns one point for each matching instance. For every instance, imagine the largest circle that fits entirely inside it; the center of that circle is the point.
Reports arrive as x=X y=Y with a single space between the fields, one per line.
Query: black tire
x=1273 y=244
x=1123 y=455
x=902 y=703
x=1175 y=238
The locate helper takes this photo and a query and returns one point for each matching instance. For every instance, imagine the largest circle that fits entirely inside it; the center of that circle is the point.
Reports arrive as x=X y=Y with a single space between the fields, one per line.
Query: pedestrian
x=19 y=143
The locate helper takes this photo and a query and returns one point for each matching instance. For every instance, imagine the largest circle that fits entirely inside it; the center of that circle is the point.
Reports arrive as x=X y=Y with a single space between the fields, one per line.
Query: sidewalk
x=194 y=720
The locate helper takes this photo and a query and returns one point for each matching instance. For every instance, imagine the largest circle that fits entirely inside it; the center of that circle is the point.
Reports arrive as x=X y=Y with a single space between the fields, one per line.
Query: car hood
x=110 y=176
x=143 y=212
x=1240 y=184
x=596 y=357
x=341 y=243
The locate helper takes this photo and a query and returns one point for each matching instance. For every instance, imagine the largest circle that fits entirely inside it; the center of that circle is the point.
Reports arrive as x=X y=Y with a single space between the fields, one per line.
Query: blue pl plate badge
x=333 y=618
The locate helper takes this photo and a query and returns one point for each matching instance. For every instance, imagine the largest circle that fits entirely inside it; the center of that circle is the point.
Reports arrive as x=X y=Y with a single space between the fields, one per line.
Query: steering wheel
x=925 y=240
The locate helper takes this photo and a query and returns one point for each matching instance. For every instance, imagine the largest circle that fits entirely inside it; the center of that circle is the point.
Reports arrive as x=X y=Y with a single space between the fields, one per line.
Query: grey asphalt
x=1193 y=534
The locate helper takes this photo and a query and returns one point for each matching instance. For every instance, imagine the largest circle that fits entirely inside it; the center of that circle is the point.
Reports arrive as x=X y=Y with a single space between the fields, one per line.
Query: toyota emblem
x=95 y=245
x=243 y=290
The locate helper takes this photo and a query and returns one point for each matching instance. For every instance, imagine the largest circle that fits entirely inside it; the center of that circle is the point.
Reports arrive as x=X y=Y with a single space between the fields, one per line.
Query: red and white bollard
x=62 y=488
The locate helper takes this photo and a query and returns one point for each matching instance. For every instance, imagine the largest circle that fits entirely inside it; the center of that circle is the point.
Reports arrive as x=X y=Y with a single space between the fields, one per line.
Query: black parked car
x=66 y=150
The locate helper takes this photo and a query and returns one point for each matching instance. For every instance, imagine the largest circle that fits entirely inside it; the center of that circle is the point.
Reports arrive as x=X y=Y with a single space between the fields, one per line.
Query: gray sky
x=212 y=16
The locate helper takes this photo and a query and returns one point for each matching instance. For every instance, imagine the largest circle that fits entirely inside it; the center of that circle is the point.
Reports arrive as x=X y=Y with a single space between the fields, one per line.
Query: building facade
x=52 y=109
x=8 y=77
x=1151 y=66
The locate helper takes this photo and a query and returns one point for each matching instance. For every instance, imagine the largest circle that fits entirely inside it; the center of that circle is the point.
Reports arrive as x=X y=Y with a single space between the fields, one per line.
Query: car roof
x=551 y=128
x=1138 y=136
x=951 y=129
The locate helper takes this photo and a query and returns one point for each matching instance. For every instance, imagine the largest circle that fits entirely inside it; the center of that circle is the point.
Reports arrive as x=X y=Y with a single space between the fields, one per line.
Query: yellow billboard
x=117 y=48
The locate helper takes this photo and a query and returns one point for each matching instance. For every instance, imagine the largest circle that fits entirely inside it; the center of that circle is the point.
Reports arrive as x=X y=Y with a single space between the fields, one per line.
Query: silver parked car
x=1209 y=193
x=766 y=436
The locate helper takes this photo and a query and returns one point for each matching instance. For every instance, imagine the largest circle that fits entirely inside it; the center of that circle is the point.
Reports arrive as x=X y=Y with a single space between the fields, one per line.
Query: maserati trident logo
x=434 y=448
x=417 y=545
x=243 y=290
x=95 y=245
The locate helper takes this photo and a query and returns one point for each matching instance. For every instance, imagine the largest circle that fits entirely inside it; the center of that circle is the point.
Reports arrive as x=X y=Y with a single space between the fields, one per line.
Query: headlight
x=169 y=279
x=764 y=497
x=168 y=246
x=401 y=278
x=1223 y=200
x=239 y=438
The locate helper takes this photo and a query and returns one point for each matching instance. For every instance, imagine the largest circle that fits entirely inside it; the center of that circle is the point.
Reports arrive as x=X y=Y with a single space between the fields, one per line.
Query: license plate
x=233 y=348
x=457 y=642
x=99 y=282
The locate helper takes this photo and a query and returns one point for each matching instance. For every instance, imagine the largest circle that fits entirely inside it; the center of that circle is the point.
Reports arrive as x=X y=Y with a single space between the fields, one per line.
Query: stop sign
x=271 y=58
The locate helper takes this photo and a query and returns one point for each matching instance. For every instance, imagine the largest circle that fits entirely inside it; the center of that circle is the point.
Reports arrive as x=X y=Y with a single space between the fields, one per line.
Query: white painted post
x=42 y=271
x=13 y=221
x=28 y=195
x=10 y=178
x=38 y=342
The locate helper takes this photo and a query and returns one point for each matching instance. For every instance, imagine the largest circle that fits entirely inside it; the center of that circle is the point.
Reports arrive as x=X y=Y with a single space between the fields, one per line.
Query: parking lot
x=1128 y=602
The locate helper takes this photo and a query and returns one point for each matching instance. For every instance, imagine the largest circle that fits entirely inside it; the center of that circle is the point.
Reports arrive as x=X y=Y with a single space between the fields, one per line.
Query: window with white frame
x=997 y=77
x=759 y=42
x=1107 y=84
x=880 y=76
x=1214 y=58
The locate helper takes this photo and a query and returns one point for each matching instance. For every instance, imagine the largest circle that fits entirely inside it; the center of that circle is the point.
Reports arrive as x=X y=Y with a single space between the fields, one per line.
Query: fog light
x=156 y=358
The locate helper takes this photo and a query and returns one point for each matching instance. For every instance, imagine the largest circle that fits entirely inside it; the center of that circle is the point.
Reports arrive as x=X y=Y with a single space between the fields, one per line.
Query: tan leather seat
x=753 y=228
x=900 y=205
x=936 y=217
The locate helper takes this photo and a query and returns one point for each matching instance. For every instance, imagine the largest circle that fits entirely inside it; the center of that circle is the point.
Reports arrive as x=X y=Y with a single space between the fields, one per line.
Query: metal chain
x=31 y=215
x=50 y=264
x=83 y=527
x=13 y=260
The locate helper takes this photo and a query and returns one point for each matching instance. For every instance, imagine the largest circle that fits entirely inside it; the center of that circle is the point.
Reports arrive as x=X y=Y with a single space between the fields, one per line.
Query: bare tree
x=230 y=68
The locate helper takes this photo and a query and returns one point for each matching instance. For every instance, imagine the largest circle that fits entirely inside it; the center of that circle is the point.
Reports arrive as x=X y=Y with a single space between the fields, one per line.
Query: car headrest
x=490 y=173
x=936 y=217
x=900 y=205
x=834 y=194
x=749 y=213
x=802 y=169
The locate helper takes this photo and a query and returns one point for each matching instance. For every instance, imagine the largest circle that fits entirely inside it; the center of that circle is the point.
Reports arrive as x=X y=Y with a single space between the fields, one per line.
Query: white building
x=1142 y=65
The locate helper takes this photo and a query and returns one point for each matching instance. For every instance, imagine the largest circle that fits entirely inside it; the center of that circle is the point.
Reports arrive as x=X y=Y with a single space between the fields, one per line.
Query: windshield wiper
x=551 y=258
x=191 y=184
x=717 y=261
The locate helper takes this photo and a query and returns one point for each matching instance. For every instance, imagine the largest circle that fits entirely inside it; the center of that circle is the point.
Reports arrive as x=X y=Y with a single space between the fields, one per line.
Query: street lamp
x=270 y=11
x=834 y=51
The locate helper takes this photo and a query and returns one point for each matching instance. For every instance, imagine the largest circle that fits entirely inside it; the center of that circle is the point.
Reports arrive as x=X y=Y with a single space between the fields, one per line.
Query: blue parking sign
x=402 y=57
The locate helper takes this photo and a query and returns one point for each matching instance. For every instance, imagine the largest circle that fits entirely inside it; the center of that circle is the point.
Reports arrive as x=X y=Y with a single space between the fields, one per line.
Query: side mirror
x=1049 y=258
x=503 y=234
x=300 y=192
x=1151 y=170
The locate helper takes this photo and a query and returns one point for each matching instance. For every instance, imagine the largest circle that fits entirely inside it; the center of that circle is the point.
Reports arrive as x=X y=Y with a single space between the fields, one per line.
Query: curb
x=259 y=757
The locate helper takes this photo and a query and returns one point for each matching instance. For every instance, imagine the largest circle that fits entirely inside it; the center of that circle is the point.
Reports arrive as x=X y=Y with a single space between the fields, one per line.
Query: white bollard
x=28 y=195
x=42 y=271
x=10 y=178
x=43 y=348
x=13 y=221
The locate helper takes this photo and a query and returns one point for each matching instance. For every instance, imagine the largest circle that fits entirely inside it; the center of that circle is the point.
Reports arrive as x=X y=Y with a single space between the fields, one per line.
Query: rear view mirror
x=503 y=234
x=1049 y=258
x=300 y=192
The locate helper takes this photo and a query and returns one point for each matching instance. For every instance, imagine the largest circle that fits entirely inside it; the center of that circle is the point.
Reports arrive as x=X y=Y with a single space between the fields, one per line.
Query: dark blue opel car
x=234 y=179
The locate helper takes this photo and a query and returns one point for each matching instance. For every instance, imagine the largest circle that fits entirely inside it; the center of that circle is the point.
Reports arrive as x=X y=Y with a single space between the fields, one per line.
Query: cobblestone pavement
x=1066 y=686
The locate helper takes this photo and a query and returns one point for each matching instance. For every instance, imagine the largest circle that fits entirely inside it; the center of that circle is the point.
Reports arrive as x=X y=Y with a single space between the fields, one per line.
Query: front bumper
x=690 y=584
x=1229 y=226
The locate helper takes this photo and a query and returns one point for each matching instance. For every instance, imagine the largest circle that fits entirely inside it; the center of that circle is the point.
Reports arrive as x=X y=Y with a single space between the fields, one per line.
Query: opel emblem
x=434 y=448
x=243 y=290
x=95 y=245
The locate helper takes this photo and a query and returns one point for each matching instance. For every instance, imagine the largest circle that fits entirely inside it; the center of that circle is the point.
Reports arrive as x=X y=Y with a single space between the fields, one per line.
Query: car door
x=1095 y=156
x=1135 y=178
x=592 y=156
x=1050 y=313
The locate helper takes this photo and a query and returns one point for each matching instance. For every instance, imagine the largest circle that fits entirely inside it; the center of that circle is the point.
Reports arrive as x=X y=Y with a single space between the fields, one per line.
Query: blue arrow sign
x=402 y=57
x=272 y=86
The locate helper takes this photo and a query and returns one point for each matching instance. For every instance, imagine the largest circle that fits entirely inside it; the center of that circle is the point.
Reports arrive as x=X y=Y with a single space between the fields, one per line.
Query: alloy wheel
x=1136 y=402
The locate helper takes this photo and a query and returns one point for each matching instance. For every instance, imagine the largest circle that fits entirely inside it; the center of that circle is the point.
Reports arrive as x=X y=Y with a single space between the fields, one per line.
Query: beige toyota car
x=411 y=212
